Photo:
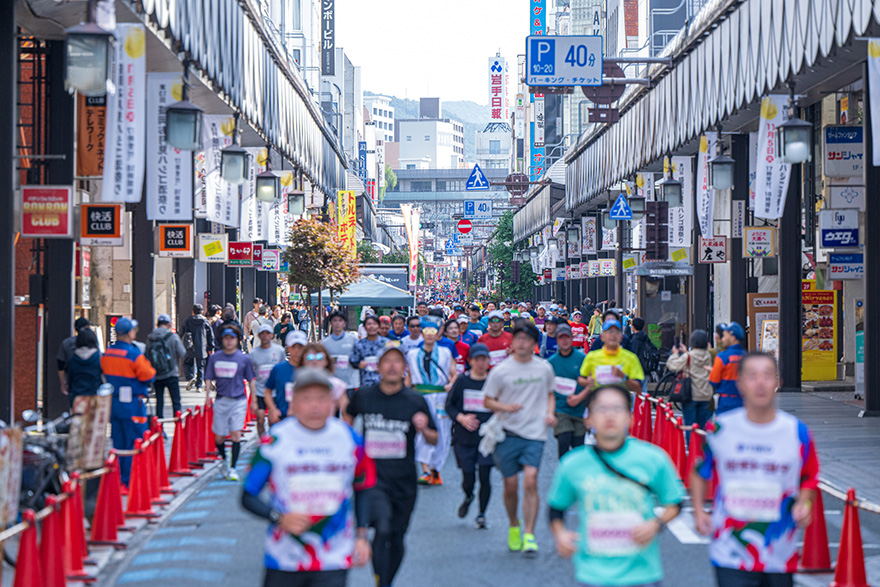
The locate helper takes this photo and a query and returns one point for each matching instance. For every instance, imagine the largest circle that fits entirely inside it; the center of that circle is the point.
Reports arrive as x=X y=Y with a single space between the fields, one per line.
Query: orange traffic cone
x=636 y=421
x=179 y=466
x=105 y=525
x=645 y=431
x=850 y=570
x=816 y=556
x=28 y=572
x=695 y=452
x=139 y=486
x=659 y=416
x=682 y=455
x=159 y=459
x=51 y=546
x=210 y=447
x=192 y=452
x=79 y=512
x=74 y=549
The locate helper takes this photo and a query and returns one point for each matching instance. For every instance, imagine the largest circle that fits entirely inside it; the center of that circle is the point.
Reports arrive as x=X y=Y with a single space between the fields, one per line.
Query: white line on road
x=684 y=530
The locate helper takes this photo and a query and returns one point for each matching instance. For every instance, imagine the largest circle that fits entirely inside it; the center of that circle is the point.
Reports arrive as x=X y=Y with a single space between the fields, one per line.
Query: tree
x=316 y=259
x=390 y=182
x=367 y=253
x=500 y=253
x=397 y=257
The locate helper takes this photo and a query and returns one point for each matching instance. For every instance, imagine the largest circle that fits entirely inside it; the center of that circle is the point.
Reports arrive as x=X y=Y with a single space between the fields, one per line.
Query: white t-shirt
x=527 y=384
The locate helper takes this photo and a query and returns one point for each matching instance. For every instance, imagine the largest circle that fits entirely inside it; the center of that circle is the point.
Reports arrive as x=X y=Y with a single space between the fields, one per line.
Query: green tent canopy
x=369 y=292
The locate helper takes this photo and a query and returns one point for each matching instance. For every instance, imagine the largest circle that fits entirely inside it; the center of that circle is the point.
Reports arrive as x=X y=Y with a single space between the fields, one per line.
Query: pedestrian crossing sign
x=621 y=210
x=477 y=180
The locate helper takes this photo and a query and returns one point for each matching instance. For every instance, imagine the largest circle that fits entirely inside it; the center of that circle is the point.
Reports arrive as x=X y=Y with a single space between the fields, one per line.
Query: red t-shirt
x=578 y=334
x=498 y=346
x=464 y=350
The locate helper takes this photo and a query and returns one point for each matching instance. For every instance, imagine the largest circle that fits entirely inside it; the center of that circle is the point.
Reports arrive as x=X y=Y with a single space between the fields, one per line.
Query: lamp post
x=296 y=203
x=720 y=167
x=268 y=184
x=88 y=53
x=670 y=189
x=794 y=137
x=183 y=126
x=234 y=159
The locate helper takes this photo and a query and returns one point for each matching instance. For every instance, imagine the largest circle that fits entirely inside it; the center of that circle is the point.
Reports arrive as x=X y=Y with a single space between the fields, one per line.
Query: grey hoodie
x=694 y=362
x=175 y=347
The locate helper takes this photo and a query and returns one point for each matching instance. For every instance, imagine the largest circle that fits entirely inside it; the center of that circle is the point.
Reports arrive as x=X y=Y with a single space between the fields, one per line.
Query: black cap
x=337 y=314
x=478 y=349
x=528 y=328
x=81 y=323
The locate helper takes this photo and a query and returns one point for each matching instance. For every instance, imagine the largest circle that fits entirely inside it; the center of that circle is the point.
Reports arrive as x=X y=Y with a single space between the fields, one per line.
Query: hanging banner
x=175 y=240
x=47 y=211
x=220 y=197
x=101 y=225
x=588 y=235
x=705 y=193
x=124 y=145
x=411 y=225
x=607 y=267
x=759 y=242
x=328 y=37
x=278 y=214
x=771 y=174
x=91 y=123
x=609 y=239
x=874 y=93
x=593 y=269
x=255 y=214
x=681 y=217
x=213 y=248
x=271 y=260
x=170 y=181
x=346 y=220
x=753 y=167
x=645 y=186
x=819 y=359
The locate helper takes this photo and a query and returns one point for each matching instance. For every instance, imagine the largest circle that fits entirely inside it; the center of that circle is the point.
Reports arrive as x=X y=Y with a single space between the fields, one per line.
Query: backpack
x=188 y=341
x=161 y=356
x=648 y=354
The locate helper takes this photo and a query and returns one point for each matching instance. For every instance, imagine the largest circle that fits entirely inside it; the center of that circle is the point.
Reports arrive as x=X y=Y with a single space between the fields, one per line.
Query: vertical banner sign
x=346 y=210
x=411 y=225
x=705 y=193
x=588 y=235
x=681 y=218
x=819 y=335
x=100 y=225
x=860 y=345
x=362 y=160
x=498 y=104
x=255 y=213
x=278 y=214
x=380 y=163
x=169 y=183
x=221 y=198
x=537 y=26
x=771 y=174
x=47 y=211
x=328 y=37
x=609 y=239
x=91 y=114
x=175 y=240
x=645 y=186
x=874 y=92
x=753 y=167
x=124 y=144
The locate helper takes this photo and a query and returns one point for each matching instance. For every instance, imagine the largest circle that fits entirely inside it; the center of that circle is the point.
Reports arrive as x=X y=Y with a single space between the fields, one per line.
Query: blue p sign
x=543 y=56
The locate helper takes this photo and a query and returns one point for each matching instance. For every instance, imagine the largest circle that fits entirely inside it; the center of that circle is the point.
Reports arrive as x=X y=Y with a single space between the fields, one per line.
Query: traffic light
x=657 y=230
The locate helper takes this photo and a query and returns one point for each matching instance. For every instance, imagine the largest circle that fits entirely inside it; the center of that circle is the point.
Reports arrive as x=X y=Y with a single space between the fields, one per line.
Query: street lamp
x=670 y=190
x=268 y=184
x=88 y=55
x=533 y=251
x=637 y=205
x=183 y=122
x=794 y=136
x=234 y=160
x=573 y=235
x=296 y=203
x=607 y=222
x=553 y=245
x=720 y=167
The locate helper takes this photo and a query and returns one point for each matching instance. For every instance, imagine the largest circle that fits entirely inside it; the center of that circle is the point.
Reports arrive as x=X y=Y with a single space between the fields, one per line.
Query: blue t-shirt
x=477 y=329
x=548 y=345
x=468 y=338
x=229 y=372
x=394 y=336
x=569 y=368
x=280 y=384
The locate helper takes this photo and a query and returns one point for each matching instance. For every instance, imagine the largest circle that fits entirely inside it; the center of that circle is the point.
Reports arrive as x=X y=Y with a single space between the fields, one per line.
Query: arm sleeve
x=715 y=375
x=562 y=493
x=362 y=508
x=355 y=357
x=706 y=463
x=209 y=369
x=491 y=385
x=676 y=363
x=634 y=369
x=556 y=514
x=665 y=483
x=181 y=351
x=809 y=459
x=454 y=399
x=142 y=369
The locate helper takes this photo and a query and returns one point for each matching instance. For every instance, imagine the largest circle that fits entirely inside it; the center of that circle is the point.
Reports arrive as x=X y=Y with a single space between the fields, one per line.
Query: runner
x=279 y=385
x=725 y=370
x=319 y=478
x=521 y=393
x=616 y=485
x=548 y=344
x=578 y=330
x=768 y=473
x=226 y=372
x=264 y=357
x=398 y=330
x=612 y=364
x=340 y=344
x=314 y=355
x=570 y=431
x=365 y=354
x=465 y=407
x=393 y=414
x=496 y=339
x=474 y=324
x=414 y=325
x=451 y=332
x=466 y=336
x=384 y=326
x=431 y=371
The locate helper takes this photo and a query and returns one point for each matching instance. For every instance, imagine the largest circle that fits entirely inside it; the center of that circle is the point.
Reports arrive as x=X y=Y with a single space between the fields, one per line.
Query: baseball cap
x=309 y=377
x=478 y=349
x=228 y=332
x=384 y=320
x=563 y=330
x=496 y=314
x=390 y=347
x=265 y=328
x=611 y=323
x=528 y=328
x=735 y=329
x=163 y=319
x=578 y=312
x=125 y=325
x=296 y=337
x=473 y=308
x=463 y=318
x=458 y=308
x=553 y=307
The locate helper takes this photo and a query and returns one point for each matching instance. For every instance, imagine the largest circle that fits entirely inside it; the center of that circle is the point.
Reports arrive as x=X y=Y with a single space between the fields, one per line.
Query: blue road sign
x=564 y=60
x=621 y=210
x=478 y=209
x=477 y=181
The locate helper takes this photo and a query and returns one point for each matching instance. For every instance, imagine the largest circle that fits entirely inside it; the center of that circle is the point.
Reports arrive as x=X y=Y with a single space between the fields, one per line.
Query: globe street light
x=670 y=189
x=268 y=184
x=720 y=167
x=88 y=54
x=234 y=160
x=794 y=137
x=183 y=126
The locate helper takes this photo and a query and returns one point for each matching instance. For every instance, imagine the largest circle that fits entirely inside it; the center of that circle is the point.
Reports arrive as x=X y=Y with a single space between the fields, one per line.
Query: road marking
x=201 y=503
x=158 y=558
x=214 y=493
x=190 y=541
x=684 y=530
x=193 y=515
x=152 y=575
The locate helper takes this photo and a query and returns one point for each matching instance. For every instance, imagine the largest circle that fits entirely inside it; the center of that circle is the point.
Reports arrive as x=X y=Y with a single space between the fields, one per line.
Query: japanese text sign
x=175 y=240
x=241 y=254
x=46 y=211
x=759 y=242
x=100 y=224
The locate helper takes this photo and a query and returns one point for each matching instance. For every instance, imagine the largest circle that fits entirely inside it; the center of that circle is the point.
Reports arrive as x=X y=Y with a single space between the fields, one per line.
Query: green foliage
x=316 y=259
x=367 y=253
x=390 y=178
x=500 y=252
x=396 y=257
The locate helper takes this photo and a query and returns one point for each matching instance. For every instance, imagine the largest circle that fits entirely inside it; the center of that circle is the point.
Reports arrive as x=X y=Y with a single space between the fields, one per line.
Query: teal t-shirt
x=568 y=368
x=609 y=507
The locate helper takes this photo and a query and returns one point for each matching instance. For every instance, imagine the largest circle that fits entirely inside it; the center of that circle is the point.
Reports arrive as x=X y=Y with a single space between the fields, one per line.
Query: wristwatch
x=274 y=516
x=660 y=524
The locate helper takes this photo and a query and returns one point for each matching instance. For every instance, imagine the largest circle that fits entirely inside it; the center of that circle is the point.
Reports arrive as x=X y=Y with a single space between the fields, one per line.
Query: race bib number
x=610 y=533
x=753 y=500
x=315 y=494
x=605 y=375
x=225 y=369
x=288 y=391
x=477 y=333
x=473 y=400
x=125 y=394
x=565 y=386
x=495 y=357
x=342 y=361
x=372 y=363
x=385 y=444
x=264 y=371
x=578 y=336
x=459 y=368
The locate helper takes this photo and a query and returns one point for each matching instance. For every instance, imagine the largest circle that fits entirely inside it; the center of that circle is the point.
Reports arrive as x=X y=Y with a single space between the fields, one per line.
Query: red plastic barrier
x=28 y=572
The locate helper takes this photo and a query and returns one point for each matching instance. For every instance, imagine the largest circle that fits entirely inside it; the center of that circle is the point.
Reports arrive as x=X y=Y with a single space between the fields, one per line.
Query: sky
x=425 y=48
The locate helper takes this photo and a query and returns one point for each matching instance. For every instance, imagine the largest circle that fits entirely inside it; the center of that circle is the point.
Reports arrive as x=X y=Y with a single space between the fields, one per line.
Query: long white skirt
x=435 y=455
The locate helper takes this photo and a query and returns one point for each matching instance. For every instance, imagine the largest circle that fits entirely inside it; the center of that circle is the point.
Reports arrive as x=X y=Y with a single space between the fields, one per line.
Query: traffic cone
x=159 y=459
x=74 y=549
x=179 y=466
x=695 y=452
x=636 y=421
x=105 y=524
x=192 y=452
x=682 y=455
x=79 y=512
x=210 y=447
x=200 y=437
x=816 y=556
x=51 y=547
x=139 y=489
x=657 y=435
x=115 y=487
x=645 y=431
x=671 y=446
x=28 y=571
x=150 y=440
x=850 y=570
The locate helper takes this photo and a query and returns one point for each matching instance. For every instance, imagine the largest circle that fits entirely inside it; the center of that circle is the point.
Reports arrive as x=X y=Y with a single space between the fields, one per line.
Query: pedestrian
x=571 y=396
x=595 y=326
x=66 y=350
x=198 y=340
x=694 y=364
x=642 y=347
x=264 y=318
x=611 y=364
x=392 y=415
x=279 y=385
x=165 y=350
x=496 y=339
x=340 y=344
x=578 y=330
x=768 y=474
x=540 y=316
x=365 y=354
x=284 y=326
x=227 y=318
x=725 y=369
x=84 y=374
x=617 y=485
x=520 y=391
x=264 y=357
x=414 y=339
x=431 y=372
x=129 y=372
x=252 y=315
x=466 y=409
x=228 y=372
x=319 y=480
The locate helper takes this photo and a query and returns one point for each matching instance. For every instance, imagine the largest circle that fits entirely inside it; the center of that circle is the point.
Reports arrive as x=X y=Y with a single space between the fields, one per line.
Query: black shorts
x=390 y=511
x=261 y=403
x=276 y=578
x=736 y=578
x=468 y=457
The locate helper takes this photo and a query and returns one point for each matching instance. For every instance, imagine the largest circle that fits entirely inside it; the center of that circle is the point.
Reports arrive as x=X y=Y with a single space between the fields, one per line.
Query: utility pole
x=8 y=46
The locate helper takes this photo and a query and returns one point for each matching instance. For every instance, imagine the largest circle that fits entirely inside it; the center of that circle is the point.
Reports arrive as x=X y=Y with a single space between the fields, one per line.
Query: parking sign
x=478 y=209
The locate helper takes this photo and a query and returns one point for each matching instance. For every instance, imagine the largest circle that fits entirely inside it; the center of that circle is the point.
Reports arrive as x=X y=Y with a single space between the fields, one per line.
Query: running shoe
x=435 y=478
x=224 y=469
x=480 y=522
x=425 y=479
x=465 y=506
x=190 y=385
x=514 y=539
x=530 y=546
x=233 y=476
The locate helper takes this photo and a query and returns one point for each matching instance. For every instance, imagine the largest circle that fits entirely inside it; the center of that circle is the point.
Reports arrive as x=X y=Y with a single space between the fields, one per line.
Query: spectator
x=164 y=351
x=252 y=315
x=696 y=364
x=66 y=350
x=283 y=327
x=198 y=340
x=83 y=370
x=642 y=347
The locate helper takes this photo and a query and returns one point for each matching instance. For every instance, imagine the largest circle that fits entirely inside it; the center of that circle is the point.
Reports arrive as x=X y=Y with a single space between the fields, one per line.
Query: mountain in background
x=474 y=117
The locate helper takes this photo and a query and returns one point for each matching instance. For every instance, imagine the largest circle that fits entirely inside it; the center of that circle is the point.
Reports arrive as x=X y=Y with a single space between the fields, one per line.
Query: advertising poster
x=759 y=242
x=213 y=248
x=347 y=220
x=86 y=443
x=588 y=235
x=761 y=307
x=607 y=267
x=819 y=335
x=594 y=269
x=770 y=337
x=271 y=260
x=46 y=211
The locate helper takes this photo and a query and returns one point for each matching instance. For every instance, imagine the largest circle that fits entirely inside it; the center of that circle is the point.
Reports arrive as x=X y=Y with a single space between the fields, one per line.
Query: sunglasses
x=315 y=357
x=429 y=330
x=496 y=320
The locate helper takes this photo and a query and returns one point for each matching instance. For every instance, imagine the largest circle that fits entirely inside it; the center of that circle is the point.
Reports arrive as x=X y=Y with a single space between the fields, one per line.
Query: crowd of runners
x=352 y=424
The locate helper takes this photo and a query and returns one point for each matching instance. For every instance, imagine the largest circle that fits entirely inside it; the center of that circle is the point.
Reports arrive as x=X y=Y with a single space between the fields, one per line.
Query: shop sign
x=664 y=269
x=559 y=274
x=759 y=242
x=839 y=228
x=46 y=211
x=846 y=266
x=270 y=260
x=100 y=224
x=737 y=218
x=594 y=270
x=213 y=248
x=91 y=114
x=175 y=240
x=846 y=196
x=258 y=256
x=241 y=254
x=630 y=260
x=607 y=267
x=819 y=335
x=760 y=307
x=548 y=274
x=844 y=151
x=713 y=249
x=575 y=271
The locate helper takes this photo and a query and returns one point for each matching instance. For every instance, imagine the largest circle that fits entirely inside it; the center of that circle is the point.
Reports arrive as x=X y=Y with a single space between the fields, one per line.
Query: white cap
x=496 y=314
x=296 y=337
x=265 y=328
